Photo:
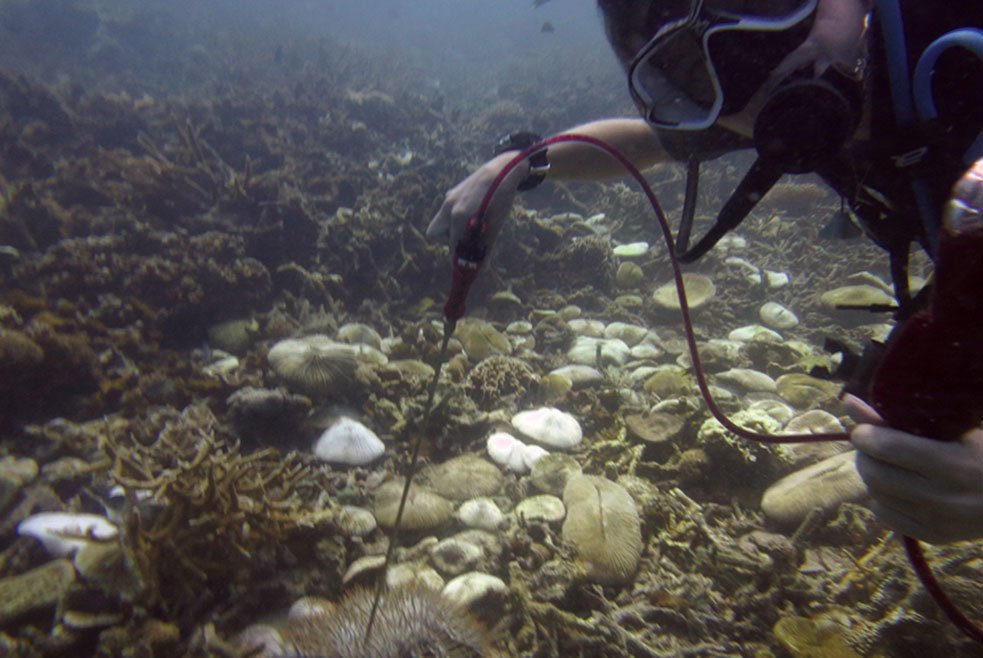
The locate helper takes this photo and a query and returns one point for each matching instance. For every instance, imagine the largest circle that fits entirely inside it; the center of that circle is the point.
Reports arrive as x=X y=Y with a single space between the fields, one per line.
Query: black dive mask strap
x=802 y=127
x=760 y=178
x=689 y=207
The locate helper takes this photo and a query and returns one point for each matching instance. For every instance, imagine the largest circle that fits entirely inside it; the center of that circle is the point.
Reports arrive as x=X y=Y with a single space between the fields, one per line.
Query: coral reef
x=44 y=367
x=169 y=194
x=183 y=278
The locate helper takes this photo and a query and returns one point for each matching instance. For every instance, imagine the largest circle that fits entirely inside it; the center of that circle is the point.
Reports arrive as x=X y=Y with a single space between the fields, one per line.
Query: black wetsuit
x=868 y=175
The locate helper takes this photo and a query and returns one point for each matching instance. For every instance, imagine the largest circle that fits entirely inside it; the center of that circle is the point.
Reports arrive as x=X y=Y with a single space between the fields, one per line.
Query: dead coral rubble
x=182 y=278
x=44 y=367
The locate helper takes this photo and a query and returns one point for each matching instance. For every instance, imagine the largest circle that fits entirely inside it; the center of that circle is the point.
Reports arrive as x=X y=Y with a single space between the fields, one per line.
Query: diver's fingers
x=860 y=411
x=905 y=524
x=968 y=189
x=923 y=509
x=914 y=453
x=440 y=225
x=886 y=480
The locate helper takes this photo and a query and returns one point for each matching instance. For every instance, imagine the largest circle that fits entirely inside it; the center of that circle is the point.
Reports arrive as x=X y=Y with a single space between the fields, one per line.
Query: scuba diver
x=883 y=99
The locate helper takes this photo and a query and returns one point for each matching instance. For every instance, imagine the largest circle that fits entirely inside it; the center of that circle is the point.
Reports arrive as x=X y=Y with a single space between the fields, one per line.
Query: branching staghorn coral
x=201 y=514
x=894 y=607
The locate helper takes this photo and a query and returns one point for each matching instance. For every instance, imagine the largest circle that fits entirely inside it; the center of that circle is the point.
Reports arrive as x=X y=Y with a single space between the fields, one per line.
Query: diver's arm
x=632 y=137
x=568 y=161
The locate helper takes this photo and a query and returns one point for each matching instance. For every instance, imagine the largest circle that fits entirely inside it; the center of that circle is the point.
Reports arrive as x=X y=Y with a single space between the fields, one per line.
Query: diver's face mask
x=711 y=58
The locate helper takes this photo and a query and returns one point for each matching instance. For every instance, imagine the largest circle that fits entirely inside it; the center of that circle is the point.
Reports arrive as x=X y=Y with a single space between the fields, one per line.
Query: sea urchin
x=412 y=620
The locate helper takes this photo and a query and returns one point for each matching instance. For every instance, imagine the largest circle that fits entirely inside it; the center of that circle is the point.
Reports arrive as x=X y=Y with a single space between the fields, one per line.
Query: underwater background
x=219 y=319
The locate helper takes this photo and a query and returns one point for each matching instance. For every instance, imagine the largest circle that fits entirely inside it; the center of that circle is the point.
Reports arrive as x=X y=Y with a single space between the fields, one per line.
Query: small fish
x=841 y=227
x=876 y=196
x=423 y=306
x=547 y=28
x=538 y=3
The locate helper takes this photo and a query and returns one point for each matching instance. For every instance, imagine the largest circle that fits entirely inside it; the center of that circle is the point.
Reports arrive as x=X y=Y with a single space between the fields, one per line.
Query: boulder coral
x=499 y=379
x=463 y=478
x=425 y=509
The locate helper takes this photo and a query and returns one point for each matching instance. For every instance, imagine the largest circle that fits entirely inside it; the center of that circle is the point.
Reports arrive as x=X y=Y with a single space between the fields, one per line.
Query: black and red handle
x=930 y=381
x=468 y=256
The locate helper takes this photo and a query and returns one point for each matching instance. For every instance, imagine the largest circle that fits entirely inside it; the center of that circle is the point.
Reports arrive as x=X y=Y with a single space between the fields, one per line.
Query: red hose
x=912 y=547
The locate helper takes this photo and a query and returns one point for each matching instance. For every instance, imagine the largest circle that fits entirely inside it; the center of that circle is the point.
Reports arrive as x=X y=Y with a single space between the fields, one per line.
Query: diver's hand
x=462 y=202
x=926 y=489
x=962 y=213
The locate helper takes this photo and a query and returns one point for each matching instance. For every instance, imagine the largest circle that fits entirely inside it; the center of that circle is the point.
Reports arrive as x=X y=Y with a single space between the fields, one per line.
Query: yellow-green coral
x=805 y=638
x=756 y=421
x=34 y=590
